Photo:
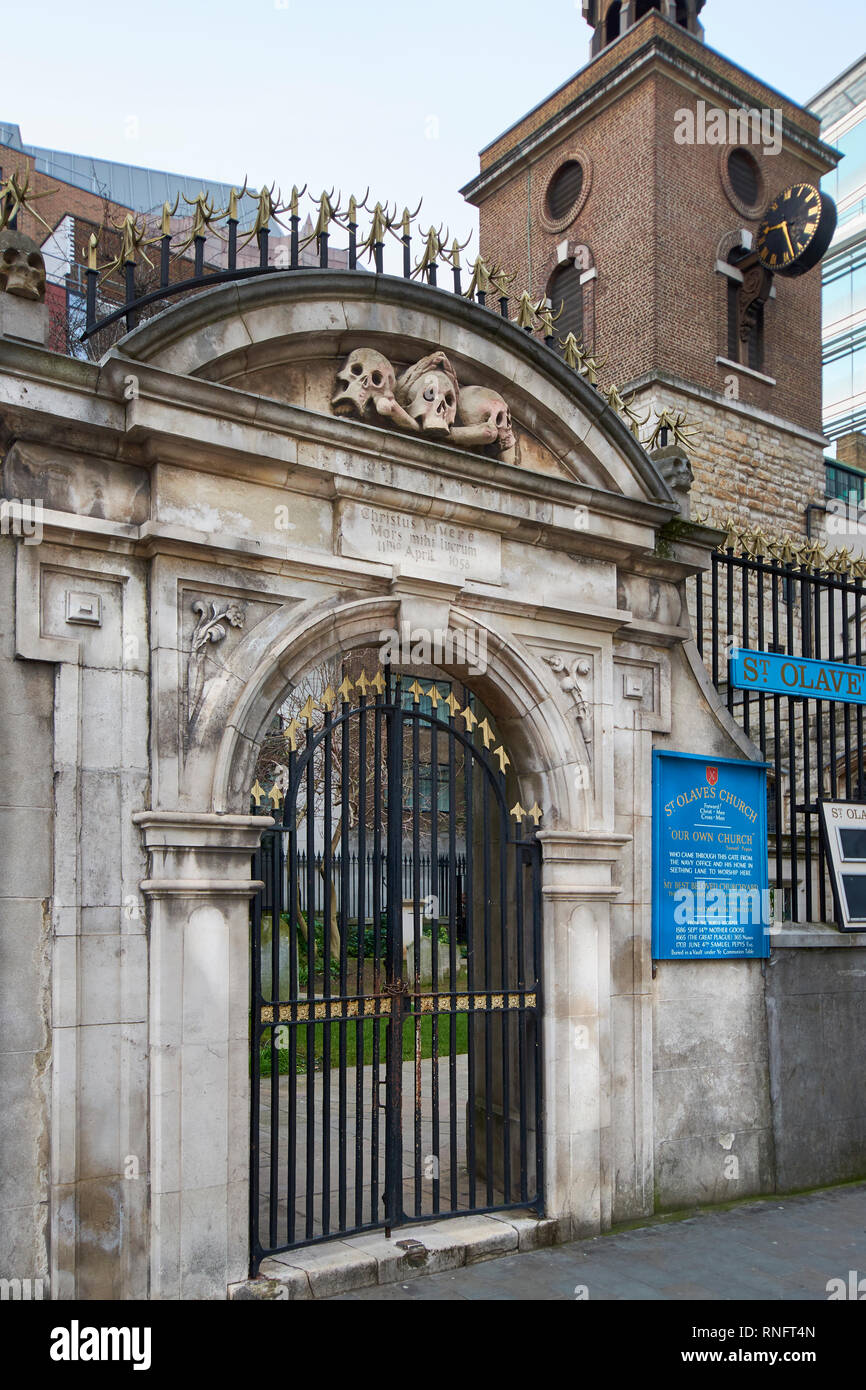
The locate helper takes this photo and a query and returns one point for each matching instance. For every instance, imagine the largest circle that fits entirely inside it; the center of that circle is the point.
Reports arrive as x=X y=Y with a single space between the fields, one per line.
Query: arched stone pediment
x=287 y=336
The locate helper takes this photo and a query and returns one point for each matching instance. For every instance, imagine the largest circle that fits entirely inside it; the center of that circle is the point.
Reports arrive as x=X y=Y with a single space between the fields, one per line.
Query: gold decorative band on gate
x=326 y=1010
x=474 y=1003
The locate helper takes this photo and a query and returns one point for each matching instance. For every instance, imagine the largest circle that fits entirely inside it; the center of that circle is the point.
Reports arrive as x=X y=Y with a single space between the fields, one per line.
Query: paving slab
x=778 y=1250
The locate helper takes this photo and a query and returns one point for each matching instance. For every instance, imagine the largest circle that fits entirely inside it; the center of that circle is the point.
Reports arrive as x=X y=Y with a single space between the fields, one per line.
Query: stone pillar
x=578 y=891
x=626 y=16
x=198 y=892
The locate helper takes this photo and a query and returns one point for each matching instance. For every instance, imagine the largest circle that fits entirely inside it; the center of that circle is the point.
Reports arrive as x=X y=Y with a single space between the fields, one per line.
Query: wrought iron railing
x=798 y=600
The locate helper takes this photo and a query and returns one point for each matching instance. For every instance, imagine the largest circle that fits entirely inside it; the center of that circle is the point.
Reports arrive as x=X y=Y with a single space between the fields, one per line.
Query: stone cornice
x=702 y=393
x=658 y=49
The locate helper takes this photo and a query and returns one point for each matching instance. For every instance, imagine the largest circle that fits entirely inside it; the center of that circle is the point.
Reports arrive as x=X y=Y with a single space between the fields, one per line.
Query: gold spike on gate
x=378 y=682
x=344 y=690
x=257 y=791
x=276 y=796
x=535 y=813
x=504 y=760
x=469 y=719
x=328 y=699
x=435 y=696
x=452 y=703
x=363 y=682
x=519 y=812
x=416 y=691
x=306 y=712
x=486 y=733
x=292 y=730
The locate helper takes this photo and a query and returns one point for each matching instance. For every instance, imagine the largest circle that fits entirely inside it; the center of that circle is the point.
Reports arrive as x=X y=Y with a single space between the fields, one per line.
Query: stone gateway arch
x=253 y=485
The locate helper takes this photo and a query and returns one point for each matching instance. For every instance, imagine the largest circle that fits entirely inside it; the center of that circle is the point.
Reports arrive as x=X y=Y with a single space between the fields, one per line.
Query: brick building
x=629 y=196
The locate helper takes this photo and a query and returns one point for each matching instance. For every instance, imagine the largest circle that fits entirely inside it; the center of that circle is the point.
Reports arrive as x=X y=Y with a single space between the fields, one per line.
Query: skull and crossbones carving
x=427 y=399
x=368 y=379
x=429 y=392
x=485 y=419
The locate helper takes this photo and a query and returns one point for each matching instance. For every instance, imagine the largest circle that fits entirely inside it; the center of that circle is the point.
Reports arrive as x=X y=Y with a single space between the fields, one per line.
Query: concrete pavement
x=775 y=1249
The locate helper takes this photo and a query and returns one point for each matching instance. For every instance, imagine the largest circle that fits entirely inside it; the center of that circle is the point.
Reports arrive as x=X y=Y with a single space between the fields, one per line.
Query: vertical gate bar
x=328 y=907
x=276 y=873
x=290 y=819
x=452 y=960
x=468 y=918
x=714 y=600
x=699 y=612
x=539 y=1059
x=846 y=708
x=831 y=656
x=394 y=930
x=256 y=1054
x=745 y=584
x=488 y=1061
x=858 y=657
x=762 y=699
x=819 y=750
x=503 y=932
x=415 y=865
x=361 y=919
x=729 y=630
x=311 y=993
x=792 y=750
x=806 y=651
x=520 y=864
x=434 y=955
x=345 y=866
x=777 y=741
x=376 y=886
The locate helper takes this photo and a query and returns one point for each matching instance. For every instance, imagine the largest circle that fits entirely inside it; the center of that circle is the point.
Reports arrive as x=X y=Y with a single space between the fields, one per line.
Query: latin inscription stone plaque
x=711 y=896
x=419 y=543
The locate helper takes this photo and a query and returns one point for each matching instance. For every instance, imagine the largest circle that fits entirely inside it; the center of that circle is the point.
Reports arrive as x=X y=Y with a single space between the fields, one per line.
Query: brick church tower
x=632 y=196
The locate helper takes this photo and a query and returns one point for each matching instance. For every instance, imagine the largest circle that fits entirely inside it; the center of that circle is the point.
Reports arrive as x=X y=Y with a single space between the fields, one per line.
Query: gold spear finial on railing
x=132 y=241
x=380 y=224
x=15 y=197
x=234 y=197
x=92 y=250
x=432 y=250
x=481 y=282
x=526 y=313
x=295 y=199
x=572 y=352
x=678 y=426
x=546 y=317
x=167 y=214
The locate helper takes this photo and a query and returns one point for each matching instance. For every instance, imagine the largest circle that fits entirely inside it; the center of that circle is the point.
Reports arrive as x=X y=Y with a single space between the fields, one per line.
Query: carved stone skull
x=364 y=375
x=429 y=392
x=22 y=267
x=485 y=419
x=367 y=378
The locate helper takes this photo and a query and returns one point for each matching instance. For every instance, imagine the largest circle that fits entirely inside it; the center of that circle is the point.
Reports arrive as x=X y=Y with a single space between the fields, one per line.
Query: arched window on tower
x=683 y=13
x=644 y=6
x=564 y=289
x=745 y=329
x=612 y=22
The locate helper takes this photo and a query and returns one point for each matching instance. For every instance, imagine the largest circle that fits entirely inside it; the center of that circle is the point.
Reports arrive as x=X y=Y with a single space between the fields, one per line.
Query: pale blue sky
x=400 y=96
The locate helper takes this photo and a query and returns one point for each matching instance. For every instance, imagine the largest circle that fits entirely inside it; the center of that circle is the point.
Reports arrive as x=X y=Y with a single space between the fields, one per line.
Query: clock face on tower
x=796 y=230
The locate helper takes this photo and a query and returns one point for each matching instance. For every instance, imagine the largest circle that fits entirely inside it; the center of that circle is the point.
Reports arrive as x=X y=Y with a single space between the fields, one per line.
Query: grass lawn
x=351 y=1034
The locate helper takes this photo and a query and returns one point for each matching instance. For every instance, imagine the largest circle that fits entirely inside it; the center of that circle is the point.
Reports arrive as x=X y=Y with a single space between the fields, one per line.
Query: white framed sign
x=844 y=825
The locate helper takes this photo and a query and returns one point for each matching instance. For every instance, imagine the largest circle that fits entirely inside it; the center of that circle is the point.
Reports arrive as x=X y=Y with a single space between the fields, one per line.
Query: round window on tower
x=743 y=181
x=566 y=192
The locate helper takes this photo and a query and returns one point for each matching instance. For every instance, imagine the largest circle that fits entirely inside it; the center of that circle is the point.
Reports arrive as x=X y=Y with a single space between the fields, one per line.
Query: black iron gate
x=792 y=598
x=396 y=1058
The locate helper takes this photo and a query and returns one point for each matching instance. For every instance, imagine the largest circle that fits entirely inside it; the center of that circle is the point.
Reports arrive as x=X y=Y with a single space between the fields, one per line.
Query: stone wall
x=26 y=835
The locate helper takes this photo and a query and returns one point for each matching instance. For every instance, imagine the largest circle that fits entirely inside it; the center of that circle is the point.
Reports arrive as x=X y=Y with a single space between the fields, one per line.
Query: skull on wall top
x=429 y=393
x=22 y=266
x=485 y=419
x=365 y=375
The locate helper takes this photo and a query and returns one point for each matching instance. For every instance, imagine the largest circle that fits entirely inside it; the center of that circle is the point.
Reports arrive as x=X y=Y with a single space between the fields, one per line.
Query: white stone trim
x=747 y=371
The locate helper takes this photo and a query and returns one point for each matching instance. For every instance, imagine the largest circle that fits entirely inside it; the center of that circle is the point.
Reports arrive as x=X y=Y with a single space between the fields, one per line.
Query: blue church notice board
x=711 y=896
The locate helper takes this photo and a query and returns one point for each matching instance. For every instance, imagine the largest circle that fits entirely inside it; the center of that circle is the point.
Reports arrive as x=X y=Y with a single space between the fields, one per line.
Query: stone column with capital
x=198 y=891
x=578 y=890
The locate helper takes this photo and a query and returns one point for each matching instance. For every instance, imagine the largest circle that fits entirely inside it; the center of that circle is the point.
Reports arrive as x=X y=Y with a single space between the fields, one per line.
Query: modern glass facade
x=842 y=108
